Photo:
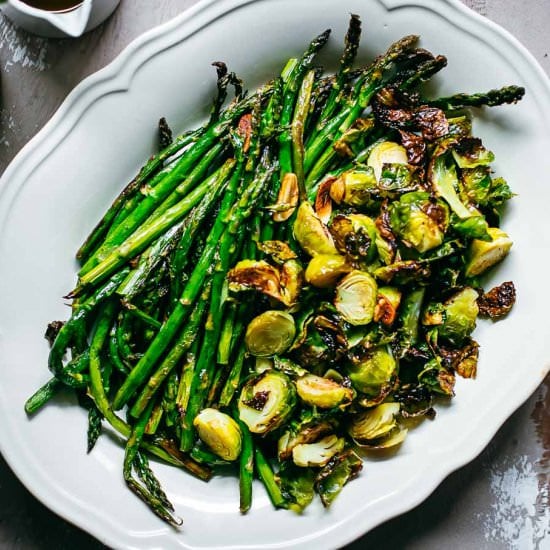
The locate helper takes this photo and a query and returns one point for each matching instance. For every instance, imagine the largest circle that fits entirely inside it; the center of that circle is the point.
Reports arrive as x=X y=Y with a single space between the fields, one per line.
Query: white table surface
x=501 y=500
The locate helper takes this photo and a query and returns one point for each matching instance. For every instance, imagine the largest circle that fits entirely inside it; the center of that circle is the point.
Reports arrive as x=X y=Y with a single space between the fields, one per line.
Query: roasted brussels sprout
x=456 y=317
x=282 y=283
x=319 y=453
x=311 y=233
x=354 y=236
x=354 y=187
x=387 y=152
x=270 y=333
x=322 y=392
x=220 y=433
x=419 y=221
x=307 y=431
x=356 y=297
x=324 y=270
x=469 y=153
x=378 y=428
x=266 y=401
x=485 y=254
x=372 y=369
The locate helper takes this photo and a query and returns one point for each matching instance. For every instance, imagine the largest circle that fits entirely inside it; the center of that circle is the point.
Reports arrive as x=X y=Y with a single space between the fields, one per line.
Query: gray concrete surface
x=499 y=501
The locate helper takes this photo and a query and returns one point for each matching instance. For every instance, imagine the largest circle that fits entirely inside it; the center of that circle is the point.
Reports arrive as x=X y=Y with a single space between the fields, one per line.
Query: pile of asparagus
x=154 y=331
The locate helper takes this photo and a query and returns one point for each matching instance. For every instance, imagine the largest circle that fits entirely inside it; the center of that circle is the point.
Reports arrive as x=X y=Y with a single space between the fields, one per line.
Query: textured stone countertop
x=500 y=500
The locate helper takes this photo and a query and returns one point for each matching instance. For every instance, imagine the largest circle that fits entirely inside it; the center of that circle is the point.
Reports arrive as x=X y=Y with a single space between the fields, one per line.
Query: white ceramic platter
x=62 y=181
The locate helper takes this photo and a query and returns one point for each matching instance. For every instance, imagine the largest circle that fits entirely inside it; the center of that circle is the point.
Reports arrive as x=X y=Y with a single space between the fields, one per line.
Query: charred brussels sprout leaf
x=220 y=433
x=415 y=400
x=387 y=302
x=470 y=153
x=437 y=378
x=297 y=485
x=462 y=360
x=270 y=333
x=331 y=479
x=356 y=298
x=267 y=401
x=322 y=392
x=498 y=302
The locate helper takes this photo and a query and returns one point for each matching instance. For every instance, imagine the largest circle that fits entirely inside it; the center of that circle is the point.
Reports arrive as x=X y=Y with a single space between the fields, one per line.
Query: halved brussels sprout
x=306 y=432
x=378 y=428
x=354 y=236
x=220 y=433
x=354 y=187
x=372 y=369
x=324 y=270
x=356 y=297
x=403 y=272
x=319 y=453
x=419 y=221
x=387 y=302
x=484 y=254
x=311 y=233
x=266 y=401
x=270 y=333
x=322 y=392
x=387 y=152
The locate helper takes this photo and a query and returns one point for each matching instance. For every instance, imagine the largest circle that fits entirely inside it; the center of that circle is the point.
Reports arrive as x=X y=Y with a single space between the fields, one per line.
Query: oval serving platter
x=61 y=182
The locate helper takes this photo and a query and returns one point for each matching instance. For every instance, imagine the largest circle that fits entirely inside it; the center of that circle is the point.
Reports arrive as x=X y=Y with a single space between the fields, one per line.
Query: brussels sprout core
x=220 y=433
x=356 y=297
x=270 y=333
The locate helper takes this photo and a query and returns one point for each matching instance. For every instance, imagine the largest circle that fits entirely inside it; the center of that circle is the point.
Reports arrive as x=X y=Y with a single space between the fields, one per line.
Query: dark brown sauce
x=53 y=5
